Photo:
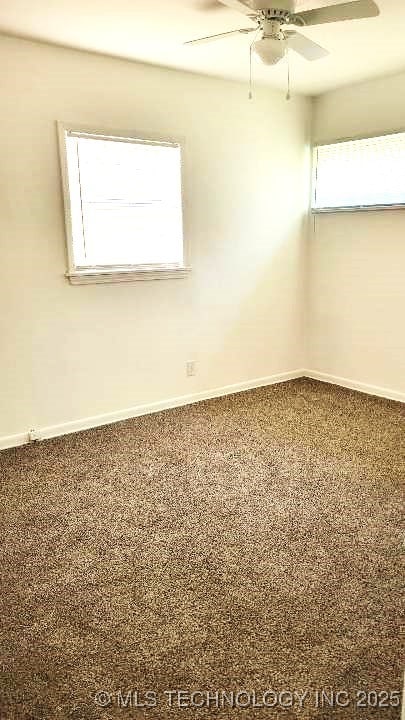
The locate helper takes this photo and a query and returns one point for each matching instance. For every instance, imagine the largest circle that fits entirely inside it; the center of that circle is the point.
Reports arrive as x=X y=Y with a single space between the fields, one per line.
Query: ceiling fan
x=273 y=22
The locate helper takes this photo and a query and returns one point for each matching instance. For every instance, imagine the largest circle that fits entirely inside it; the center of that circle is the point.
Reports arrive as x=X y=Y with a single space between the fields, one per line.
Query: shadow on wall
x=265 y=316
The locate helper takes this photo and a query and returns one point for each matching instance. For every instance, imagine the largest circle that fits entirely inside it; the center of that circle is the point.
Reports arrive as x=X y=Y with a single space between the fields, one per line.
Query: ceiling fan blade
x=242 y=6
x=354 y=10
x=304 y=46
x=211 y=38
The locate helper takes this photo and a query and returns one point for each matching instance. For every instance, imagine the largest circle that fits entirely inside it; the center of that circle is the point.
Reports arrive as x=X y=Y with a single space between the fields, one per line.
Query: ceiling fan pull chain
x=251 y=63
x=250 y=73
x=288 y=96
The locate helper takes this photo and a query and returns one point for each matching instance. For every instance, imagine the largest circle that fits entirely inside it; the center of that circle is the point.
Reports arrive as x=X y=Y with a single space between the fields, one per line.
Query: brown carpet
x=248 y=543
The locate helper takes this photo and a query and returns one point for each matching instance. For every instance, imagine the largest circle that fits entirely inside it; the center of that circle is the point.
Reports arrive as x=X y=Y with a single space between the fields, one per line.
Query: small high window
x=360 y=174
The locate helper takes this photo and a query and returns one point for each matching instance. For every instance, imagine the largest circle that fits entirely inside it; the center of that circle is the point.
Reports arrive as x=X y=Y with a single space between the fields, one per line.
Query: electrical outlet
x=191 y=368
x=34 y=435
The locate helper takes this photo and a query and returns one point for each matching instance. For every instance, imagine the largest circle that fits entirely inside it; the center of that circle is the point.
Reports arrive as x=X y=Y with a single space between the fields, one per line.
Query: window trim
x=355 y=209
x=78 y=275
x=350 y=208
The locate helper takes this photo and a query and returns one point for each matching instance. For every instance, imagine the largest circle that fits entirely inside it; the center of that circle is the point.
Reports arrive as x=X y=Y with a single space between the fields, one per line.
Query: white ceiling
x=153 y=31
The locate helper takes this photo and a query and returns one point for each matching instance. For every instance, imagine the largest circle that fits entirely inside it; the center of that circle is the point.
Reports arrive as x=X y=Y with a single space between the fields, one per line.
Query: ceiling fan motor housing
x=272 y=29
x=286 y=6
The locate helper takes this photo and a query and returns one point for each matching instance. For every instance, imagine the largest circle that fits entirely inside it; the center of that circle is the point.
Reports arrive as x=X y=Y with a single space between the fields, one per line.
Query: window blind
x=360 y=173
x=126 y=201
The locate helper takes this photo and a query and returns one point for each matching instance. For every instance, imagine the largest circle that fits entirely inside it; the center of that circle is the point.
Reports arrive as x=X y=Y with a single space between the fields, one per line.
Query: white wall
x=357 y=260
x=72 y=352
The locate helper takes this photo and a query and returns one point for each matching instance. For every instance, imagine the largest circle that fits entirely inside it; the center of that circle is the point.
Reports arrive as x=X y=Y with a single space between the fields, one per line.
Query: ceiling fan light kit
x=270 y=51
x=272 y=47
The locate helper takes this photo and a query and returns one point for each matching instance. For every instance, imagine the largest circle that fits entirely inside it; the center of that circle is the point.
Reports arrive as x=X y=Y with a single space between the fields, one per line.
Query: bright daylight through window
x=123 y=201
x=360 y=174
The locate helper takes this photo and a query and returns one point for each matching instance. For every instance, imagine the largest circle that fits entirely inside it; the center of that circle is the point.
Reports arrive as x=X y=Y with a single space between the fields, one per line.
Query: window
x=123 y=207
x=360 y=174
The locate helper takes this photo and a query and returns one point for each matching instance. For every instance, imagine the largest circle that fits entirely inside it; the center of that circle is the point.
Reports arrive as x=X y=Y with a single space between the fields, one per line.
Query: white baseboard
x=109 y=418
x=383 y=392
x=9 y=441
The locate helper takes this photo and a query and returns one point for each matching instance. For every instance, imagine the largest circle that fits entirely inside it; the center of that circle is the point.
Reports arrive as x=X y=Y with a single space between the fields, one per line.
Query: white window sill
x=356 y=208
x=98 y=275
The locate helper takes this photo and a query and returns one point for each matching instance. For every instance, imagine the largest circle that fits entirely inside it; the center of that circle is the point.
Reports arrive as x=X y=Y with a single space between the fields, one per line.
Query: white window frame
x=351 y=208
x=118 y=273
